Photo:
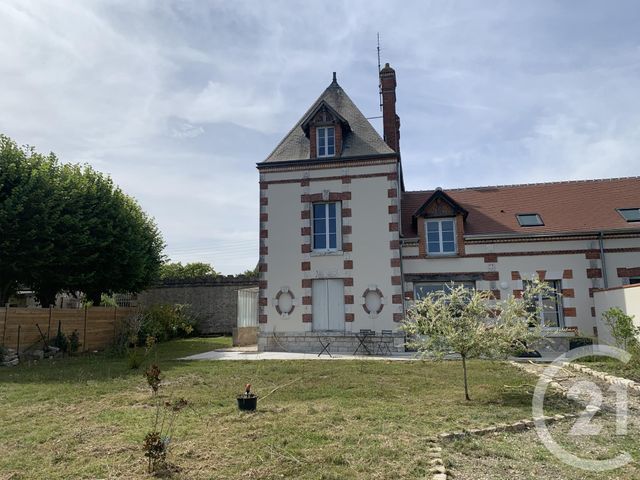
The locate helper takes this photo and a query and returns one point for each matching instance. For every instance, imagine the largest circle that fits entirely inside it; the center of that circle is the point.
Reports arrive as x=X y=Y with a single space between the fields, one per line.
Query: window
x=326 y=141
x=634 y=280
x=630 y=214
x=529 y=219
x=422 y=289
x=441 y=236
x=326 y=226
x=550 y=305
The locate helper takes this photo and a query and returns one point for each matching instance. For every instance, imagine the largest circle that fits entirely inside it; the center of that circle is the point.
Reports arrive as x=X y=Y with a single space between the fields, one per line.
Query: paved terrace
x=251 y=353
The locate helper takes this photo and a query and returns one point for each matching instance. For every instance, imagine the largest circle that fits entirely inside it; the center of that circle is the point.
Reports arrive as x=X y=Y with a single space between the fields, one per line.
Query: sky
x=178 y=101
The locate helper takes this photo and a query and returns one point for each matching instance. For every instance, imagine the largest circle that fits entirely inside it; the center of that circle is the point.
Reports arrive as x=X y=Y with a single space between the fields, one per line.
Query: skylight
x=630 y=214
x=529 y=219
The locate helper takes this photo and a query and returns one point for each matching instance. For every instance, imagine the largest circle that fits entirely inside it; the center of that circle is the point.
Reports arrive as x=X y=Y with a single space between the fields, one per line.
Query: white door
x=328 y=304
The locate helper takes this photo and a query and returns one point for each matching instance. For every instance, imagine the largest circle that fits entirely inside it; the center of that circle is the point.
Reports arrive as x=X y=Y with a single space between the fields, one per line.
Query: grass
x=630 y=370
x=86 y=417
x=523 y=457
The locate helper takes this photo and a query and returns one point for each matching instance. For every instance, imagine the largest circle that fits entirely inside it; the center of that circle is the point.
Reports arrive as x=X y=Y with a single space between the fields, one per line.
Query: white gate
x=247 y=307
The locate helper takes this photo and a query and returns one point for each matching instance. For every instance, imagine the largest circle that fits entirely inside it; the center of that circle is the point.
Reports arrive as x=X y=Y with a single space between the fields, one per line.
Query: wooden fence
x=96 y=326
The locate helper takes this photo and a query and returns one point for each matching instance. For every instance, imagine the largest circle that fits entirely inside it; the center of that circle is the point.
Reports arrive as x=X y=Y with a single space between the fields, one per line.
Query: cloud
x=179 y=100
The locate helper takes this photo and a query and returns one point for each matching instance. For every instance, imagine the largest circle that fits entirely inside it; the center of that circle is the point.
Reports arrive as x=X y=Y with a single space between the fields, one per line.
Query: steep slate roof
x=565 y=207
x=361 y=140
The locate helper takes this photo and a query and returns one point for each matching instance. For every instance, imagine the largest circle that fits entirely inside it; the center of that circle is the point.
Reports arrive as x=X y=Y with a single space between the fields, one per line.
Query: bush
x=61 y=341
x=580 y=342
x=165 y=322
x=623 y=330
x=134 y=358
x=159 y=323
x=74 y=342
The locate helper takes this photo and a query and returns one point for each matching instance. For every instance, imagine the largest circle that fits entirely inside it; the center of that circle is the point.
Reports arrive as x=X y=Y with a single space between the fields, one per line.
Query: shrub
x=623 y=330
x=580 y=342
x=134 y=358
x=157 y=441
x=61 y=341
x=164 y=322
x=155 y=324
x=74 y=342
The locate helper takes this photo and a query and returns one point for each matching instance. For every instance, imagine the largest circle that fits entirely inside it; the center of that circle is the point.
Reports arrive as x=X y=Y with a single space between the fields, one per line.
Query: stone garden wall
x=214 y=301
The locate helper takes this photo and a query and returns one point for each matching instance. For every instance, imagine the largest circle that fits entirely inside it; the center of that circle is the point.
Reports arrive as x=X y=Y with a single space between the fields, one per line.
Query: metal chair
x=325 y=347
x=362 y=338
x=383 y=346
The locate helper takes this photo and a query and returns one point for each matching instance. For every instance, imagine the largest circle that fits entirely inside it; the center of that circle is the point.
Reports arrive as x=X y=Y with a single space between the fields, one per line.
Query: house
x=344 y=247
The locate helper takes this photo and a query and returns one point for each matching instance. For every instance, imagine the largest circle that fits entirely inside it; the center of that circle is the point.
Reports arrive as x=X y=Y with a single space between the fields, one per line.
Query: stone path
x=580 y=387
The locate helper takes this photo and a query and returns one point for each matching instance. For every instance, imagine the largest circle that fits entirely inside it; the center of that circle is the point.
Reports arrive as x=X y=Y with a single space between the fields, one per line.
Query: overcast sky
x=177 y=101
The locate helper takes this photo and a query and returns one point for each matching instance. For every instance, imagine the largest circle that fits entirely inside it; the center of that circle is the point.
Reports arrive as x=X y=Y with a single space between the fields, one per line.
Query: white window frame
x=326 y=143
x=439 y=221
x=327 y=232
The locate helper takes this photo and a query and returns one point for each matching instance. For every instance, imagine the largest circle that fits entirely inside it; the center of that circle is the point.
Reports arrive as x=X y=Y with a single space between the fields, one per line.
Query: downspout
x=400 y=190
x=603 y=262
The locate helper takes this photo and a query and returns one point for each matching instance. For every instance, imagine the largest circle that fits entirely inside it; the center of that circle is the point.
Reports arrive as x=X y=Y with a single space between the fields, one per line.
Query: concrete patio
x=251 y=353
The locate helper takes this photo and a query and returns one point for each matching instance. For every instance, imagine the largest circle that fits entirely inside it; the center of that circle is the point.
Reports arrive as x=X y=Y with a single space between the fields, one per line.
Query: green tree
x=28 y=214
x=467 y=322
x=252 y=273
x=69 y=228
x=178 y=271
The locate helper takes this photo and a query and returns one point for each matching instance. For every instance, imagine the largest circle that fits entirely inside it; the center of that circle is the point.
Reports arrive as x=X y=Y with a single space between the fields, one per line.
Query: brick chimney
x=390 y=121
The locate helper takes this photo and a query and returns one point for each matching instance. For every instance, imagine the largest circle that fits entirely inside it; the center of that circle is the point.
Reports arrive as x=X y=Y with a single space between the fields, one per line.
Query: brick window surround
x=459 y=237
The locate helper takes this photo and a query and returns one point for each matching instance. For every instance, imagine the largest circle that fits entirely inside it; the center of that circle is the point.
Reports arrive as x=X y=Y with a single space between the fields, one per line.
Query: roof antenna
x=379 y=82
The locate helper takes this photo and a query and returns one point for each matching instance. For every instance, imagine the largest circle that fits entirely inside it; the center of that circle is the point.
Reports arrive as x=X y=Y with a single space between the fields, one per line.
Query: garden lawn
x=86 y=417
x=522 y=456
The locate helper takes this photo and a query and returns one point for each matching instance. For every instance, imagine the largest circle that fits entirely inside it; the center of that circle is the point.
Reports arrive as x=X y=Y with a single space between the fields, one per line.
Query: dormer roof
x=360 y=139
x=456 y=208
x=306 y=122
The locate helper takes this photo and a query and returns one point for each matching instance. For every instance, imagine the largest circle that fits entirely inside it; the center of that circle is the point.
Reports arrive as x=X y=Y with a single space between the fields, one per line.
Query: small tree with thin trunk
x=470 y=323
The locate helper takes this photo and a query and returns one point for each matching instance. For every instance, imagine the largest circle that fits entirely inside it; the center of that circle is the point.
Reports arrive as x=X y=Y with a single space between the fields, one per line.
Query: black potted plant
x=247 y=401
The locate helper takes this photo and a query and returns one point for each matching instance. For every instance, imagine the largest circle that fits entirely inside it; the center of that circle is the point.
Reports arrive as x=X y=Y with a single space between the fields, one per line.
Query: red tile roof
x=565 y=207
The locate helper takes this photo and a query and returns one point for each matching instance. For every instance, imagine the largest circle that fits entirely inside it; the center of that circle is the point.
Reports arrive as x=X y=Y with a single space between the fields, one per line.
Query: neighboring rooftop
x=564 y=207
x=361 y=139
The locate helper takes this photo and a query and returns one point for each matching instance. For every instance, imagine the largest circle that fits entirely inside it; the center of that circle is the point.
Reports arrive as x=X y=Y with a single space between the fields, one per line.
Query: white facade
x=501 y=267
x=366 y=192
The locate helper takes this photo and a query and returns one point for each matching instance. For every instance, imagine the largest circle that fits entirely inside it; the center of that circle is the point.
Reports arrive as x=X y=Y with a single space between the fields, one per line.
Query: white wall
x=370 y=239
x=527 y=258
x=626 y=298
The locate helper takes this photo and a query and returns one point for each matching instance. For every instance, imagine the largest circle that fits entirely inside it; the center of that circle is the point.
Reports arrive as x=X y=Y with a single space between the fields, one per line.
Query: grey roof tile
x=363 y=139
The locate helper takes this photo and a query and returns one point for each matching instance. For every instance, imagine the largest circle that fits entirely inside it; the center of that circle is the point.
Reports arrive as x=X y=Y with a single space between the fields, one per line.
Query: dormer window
x=529 y=220
x=630 y=214
x=326 y=141
x=441 y=236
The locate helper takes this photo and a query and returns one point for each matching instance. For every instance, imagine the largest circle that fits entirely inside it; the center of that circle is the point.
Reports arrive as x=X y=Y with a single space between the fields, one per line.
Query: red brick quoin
x=628 y=272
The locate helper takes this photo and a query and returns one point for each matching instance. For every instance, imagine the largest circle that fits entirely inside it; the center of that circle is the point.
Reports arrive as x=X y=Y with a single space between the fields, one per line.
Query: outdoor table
x=362 y=338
